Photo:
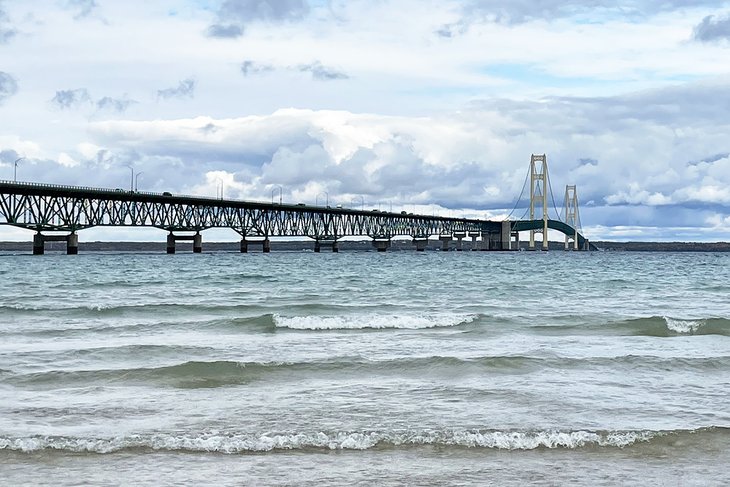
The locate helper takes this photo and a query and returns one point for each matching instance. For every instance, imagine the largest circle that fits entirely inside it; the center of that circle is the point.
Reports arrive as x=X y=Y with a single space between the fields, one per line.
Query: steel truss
x=68 y=208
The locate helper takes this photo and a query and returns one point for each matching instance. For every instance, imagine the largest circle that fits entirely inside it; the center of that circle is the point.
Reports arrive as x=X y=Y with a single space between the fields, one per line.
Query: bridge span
x=58 y=213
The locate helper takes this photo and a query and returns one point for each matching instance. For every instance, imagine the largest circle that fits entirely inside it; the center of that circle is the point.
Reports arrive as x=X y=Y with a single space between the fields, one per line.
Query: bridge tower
x=572 y=217
x=539 y=184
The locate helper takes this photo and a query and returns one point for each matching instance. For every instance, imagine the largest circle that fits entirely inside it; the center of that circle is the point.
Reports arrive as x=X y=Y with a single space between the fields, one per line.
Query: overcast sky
x=433 y=106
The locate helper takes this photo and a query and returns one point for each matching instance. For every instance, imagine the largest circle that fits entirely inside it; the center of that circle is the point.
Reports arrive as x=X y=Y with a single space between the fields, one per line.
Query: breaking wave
x=372 y=321
x=655 y=326
x=358 y=440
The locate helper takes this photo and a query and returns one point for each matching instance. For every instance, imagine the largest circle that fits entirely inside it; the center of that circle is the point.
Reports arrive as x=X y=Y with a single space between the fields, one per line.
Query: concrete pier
x=420 y=243
x=474 y=244
x=326 y=242
x=459 y=236
x=197 y=240
x=381 y=244
x=39 y=242
x=170 y=243
x=445 y=239
x=265 y=244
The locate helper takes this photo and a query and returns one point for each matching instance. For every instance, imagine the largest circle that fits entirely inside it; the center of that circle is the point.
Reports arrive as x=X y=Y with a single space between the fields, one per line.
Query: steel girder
x=64 y=208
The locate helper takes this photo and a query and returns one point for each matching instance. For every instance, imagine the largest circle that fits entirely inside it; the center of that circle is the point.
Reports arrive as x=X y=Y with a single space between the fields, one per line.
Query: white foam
x=683 y=326
x=374 y=321
x=502 y=440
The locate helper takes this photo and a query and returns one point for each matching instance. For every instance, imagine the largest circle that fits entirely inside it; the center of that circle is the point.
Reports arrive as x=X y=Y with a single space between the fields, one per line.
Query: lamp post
x=136 y=181
x=131 y=181
x=362 y=202
x=326 y=196
x=15 y=169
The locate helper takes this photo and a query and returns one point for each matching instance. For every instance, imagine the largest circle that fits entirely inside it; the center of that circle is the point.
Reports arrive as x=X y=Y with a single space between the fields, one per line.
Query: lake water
x=365 y=368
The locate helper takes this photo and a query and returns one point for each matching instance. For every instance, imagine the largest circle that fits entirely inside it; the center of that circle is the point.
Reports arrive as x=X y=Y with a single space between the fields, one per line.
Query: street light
x=281 y=191
x=136 y=180
x=362 y=202
x=131 y=181
x=15 y=170
x=327 y=198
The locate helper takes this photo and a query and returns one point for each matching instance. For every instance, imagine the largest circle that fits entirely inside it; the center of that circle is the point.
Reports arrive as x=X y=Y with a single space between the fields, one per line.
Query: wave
x=373 y=321
x=654 y=326
x=366 y=440
x=201 y=374
x=208 y=374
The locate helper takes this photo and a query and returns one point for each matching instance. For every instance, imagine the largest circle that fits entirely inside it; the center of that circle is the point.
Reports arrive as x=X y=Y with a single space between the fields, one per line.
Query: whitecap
x=372 y=321
x=683 y=326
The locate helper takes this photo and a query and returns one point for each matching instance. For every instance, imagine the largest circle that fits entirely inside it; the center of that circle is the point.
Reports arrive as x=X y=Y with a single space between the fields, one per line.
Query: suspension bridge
x=58 y=213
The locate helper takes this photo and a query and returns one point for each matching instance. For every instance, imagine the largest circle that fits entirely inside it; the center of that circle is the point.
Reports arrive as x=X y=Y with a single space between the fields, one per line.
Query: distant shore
x=345 y=245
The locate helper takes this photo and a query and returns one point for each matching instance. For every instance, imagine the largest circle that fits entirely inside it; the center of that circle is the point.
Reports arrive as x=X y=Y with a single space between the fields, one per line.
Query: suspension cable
x=552 y=196
x=524 y=185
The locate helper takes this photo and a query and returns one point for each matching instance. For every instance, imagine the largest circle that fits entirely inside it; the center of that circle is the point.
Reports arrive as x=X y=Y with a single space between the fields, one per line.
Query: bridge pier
x=327 y=242
x=474 y=244
x=459 y=237
x=197 y=239
x=39 y=247
x=445 y=239
x=265 y=244
x=381 y=244
x=39 y=242
x=421 y=243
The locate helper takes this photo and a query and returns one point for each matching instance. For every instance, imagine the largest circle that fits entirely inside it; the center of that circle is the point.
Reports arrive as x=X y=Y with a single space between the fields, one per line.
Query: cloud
x=520 y=11
x=66 y=99
x=184 y=89
x=321 y=72
x=84 y=8
x=234 y=15
x=251 y=67
x=118 y=105
x=712 y=28
x=224 y=31
x=7 y=31
x=316 y=69
x=8 y=86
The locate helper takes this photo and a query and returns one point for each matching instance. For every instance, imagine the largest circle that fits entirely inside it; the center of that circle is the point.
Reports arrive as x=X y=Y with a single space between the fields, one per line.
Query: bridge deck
x=45 y=207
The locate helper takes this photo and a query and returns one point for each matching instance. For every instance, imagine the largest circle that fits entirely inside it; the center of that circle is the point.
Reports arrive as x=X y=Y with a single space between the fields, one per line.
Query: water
x=362 y=368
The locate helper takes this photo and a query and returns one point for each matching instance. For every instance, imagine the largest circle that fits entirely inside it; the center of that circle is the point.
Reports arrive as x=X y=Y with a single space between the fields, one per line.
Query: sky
x=417 y=105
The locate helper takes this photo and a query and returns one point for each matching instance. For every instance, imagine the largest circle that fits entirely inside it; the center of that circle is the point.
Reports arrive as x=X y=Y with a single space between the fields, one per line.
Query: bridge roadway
x=47 y=208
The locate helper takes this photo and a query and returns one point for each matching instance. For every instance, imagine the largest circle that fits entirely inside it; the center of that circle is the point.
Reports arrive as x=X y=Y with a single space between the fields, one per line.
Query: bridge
x=58 y=213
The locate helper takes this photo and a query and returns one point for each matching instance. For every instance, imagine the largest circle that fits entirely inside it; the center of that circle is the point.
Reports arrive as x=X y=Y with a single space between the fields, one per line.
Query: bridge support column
x=267 y=245
x=381 y=245
x=244 y=246
x=474 y=244
x=327 y=242
x=39 y=244
x=515 y=241
x=420 y=243
x=72 y=244
x=197 y=243
x=506 y=235
x=459 y=237
x=445 y=239
x=484 y=244
x=170 y=243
